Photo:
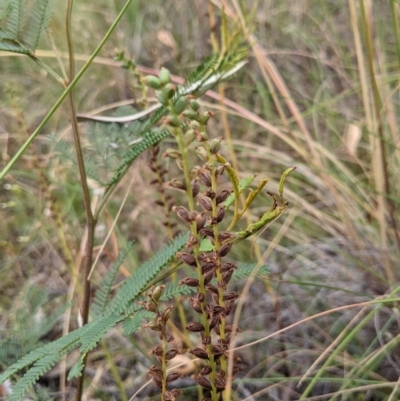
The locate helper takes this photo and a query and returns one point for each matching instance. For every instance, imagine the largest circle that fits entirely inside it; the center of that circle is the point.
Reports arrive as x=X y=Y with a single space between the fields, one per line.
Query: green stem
x=78 y=76
x=48 y=69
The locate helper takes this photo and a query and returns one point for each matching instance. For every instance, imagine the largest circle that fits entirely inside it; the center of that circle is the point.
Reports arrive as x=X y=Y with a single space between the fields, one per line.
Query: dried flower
x=195 y=327
x=187 y=258
x=171 y=354
x=205 y=203
x=190 y=282
x=199 y=353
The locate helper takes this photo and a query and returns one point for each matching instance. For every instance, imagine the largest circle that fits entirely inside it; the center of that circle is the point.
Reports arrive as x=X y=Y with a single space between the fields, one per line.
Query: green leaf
x=96 y=331
x=32 y=375
x=16 y=18
x=102 y=294
x=39 y=20
x=245 y=270
x=9 y=46
x=138 y=282
x=76 y=370
x=132 y=324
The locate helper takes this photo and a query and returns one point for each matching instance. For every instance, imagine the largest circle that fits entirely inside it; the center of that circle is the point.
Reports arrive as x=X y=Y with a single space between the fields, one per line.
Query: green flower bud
x=189 y=137
x=202 y=153
x=157 y=292
x=215 y=146
x=180 y=105
x=194 y=105
x=165 y=76
x=153 y=81
x=189 y=114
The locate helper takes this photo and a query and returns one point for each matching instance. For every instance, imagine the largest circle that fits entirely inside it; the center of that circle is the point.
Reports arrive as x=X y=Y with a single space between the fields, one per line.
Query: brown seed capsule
x=228 y=266
x=212 y=289
x=220 y=214
x=184 y=214
x=218 y=350
x=205 y=340
x=207 y=232
x=229 y=307
x=208 y=276
x=171 y=354
x=171 y=395
x=195 y=327
x=201 y=221
x=214 y=321
x=202 y=152
x=195 y=305
x=222 y=196
x=215 y=145
x=177 y=184
x=210 y=194
x=220 y=170
x=220 y=383
x=199 y=353
x=203 y=381
x=225 y=248
x=205 y=203
x=157 y=292
x=173 y=376
x=227 y=275
x=158 y=351
x=195 y=188
x=231 y=296
x=206 y=179
x=167 y=314
x=224 y=236
x=190 y=282
x=205 y=370
x=154 y=326
x=187 y=258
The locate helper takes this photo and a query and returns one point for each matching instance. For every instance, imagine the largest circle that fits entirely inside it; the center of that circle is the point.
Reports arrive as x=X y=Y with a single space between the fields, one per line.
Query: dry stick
x=87 y=260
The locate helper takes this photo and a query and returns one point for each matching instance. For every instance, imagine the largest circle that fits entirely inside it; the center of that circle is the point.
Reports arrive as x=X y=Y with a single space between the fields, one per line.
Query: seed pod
x=220 y=213
x=157 y=292
x=208 y=232
x=205 y=203
x=177 y=184
x=195 y=305
x=154 y=326
x=162 y=97
x=199 y=352
x=184 y=214
x=215 y=146
x=194 y=105
x=203 y=118
x=191 y=115
x=217 y=350
x=173 y=376
x=220 y=383
x=200 y=221
x=180 y=105
x=187 y=258
x=195 y=327
x=152 y=81
x=208 y=277
x=189 y=137
x=172 y=120
x=202 y=153
x=190 y=282
x=203 y=381
x=205 y=370
x=195 y=188
x=171 y=354
x=222 y=196
x=167 y=314
x=210 y=194
x=172 y=153
x=227 y=275
x=205 y=340
x=212 y=289
x=231 y=296
x=194 y=124
x=219 y=170
x=224 y=236
x=225 y=249
x=157 y=351
x=171 y=395
x=206 y=179
x=228 y=266
x=164 y=76
x=201 y=135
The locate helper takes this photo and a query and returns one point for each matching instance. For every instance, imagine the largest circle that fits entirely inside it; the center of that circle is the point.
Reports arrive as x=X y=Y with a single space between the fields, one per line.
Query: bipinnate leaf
x=39 y=20
x=138 y=282
x=102 y=294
